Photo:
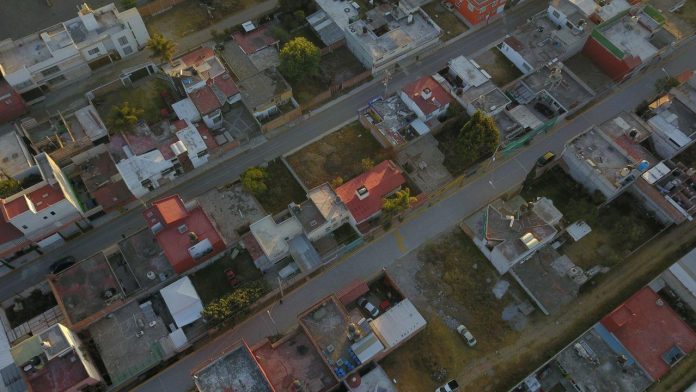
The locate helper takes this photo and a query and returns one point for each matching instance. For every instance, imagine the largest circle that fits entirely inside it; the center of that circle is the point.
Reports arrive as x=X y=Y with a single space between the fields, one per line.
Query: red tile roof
x=379 y=181
x=207 y=136
x=171 y=212
x=41 y=198
x=648 y=327
x=439 y=97
x=60 y=374
x=205 y=100
x=255 y=40
x=225 y=83
x=197 y=57
x=11 y=103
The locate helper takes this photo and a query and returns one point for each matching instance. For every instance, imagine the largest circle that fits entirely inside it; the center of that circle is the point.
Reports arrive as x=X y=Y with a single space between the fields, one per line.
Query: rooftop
x=86 y=288
x=34 y=199
x=469 y=73
x=374 y=380
x=205 y=100
x=379 y=181
x=101 y=177
x=322 y=205
x=391 y=116
x=555 y=80
x=255 y=40
x=110 y=334
x=273 y=237
x=674 y=120
x=236 y=369
x=139 y=168
x=14 y=156
x=651 y=331
x=262 y=87
x=627 y=34
x=428 y=94
x=325 y=28
x=187 y=236
x=145 y=259
x=398 y=323
x=676 y=184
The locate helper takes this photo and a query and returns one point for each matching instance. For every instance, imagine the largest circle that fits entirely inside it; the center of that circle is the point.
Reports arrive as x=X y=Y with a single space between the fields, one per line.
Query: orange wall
x=477 y=16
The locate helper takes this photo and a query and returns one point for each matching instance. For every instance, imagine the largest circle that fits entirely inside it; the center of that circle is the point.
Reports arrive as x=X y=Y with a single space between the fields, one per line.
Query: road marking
x=400 y=241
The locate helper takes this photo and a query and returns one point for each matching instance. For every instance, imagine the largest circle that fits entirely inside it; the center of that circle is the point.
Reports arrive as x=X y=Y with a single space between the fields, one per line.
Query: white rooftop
x=273 y=237
x=14 y=156
x=341 y=12
x=186 y=110
x=666 y=123
x=656 y=173
x=137 y=168
x=612 y=8
x=327 y=202
x=398 y=323
x=468 y=71
x=91 y=123
x=191 y=139
x=631 y=37
x=685 y=271
x=182 y=301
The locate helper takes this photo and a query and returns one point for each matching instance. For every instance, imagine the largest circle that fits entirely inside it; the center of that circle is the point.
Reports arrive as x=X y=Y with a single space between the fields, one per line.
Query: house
x=626 y=43
x=15 y=157
x=426 y=98
x=509 y=232
x=234 y=369
x=55 y=360
x=266 y=94
x=651 y=331
x=208 y=106
x=673 y=116
x=364 y=194
x=47 y=209
x=384 y=35
x=322 y=213
x=184 y=232
x=97 y=171
x=680 y=277
x=255 y=39
x=391 y=122
x=146 y=172
x=666 y=189
x=478 y=11
x=68 y=51
x=12 y=104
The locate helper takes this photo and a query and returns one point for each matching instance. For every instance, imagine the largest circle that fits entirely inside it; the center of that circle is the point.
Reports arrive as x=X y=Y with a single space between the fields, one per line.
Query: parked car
x=546 y=158
x=451 y=386
x=62 y=264
x=466 y=334
x=371 y=309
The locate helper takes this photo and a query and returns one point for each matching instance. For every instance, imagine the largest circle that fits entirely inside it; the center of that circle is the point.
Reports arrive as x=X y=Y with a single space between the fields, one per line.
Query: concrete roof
x=468 y=71
x=183 y=302
x=261 y=88
x=14 y=156
x=273 y=237
x=398 y=323
x=236 y=370
x=327 y=29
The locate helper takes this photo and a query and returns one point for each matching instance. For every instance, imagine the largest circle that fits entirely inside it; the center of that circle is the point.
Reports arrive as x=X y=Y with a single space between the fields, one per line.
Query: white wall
x=89 y=57
x=132 y=19
x=560 y=20
x=516 y=58
x=35 y=225
x=412 y=105
x=213 y=120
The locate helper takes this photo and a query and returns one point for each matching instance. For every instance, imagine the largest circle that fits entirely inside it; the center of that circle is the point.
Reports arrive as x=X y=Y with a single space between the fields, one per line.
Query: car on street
x=467 y=335
x=545 y=159
x=61 y=264
x=451 y=386
x=371 y=309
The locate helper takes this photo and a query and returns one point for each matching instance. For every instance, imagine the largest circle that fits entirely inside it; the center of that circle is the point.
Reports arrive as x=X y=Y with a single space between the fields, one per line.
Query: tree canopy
x=9 y=187
x=399 y=202
x=253 y=180
x=124 y=116
x=161 y=47
x=478 y=138
x=299 y=59
x=234 y=304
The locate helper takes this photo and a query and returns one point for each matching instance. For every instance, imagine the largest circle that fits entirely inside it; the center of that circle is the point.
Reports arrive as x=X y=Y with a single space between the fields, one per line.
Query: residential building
x=391 y=122
x=267 y=95
x=10 y=375
x=254 y=39
x=365 y=194
x=184 y=232
x=12 y=104
x=548 y=37
x=478 y=11
x=591 y=10
x=426 y=98
x=208 y=106
x=674 y=116
x=387 y=34
x=15 y=157
x=509 y=232
x=234 y=369
x=55 y=360
x=322 y=212
x=66 y=52
x=628 y=42
x=680 y=277
x=667 y=190
x=47 y=209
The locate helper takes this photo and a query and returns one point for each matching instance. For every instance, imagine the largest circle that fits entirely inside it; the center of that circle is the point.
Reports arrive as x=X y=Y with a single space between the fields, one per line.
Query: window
x=93 y=51
x=556 y=14
x=57 y=80
x=202 y=153
x=123 y=41
x=127 y=50
x=50 y=70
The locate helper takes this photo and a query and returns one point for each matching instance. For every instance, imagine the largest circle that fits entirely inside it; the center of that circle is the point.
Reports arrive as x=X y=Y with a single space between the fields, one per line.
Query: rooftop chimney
x=427 y=93
x=362 y=193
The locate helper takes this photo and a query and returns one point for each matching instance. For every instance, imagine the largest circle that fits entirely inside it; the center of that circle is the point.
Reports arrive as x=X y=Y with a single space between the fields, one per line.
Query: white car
x=451 y=386
x=466 y=334
x=371 y=309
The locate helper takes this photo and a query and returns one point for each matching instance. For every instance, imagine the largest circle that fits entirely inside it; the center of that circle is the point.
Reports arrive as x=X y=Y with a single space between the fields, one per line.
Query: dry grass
x=449 y=23
x=338 y=154
x=502 y=71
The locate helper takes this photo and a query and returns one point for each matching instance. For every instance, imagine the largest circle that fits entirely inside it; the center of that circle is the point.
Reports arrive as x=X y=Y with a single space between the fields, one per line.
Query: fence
x=157 y=7
x=328 y=49
x=281 y=120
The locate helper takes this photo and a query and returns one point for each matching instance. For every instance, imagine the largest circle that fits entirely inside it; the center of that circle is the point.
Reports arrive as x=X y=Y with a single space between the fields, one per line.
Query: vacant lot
x=449 y=23
x=212 y=283
x=145 y=94
x=617 y=228
x=586 y=70
x=282 y=188
x=338 y=154
x=452 y=283
x=502 y=71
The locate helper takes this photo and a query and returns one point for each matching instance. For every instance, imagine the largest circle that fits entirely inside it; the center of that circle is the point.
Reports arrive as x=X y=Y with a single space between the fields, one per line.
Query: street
x=424 y=225
x=287 y=140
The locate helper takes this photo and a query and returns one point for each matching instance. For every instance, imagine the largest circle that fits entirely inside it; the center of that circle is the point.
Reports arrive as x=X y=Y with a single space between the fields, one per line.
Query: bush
x=235 y=304
x=9 y=187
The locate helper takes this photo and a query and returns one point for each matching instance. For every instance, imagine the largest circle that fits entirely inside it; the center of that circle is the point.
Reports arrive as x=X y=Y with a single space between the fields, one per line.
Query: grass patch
x=36 y=303
x=502 y=70
x=211 y=282
x=617 y=229
x=338 y=154
x=688 y=12
x=282 y=188
x=450 y=24
x=145 y=94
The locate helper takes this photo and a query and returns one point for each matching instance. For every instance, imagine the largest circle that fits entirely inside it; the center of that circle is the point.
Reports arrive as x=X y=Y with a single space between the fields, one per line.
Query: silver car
x=466 y=334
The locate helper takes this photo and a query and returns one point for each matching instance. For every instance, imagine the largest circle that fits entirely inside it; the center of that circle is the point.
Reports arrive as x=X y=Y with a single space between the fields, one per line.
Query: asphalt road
x=428 y=223
x=291 y=138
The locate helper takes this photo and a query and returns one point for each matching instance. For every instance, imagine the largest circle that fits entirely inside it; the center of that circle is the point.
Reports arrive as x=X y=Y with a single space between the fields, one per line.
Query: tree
x=123 y=117
x=280 y=34
x=299 y=59
x=665 y=84
x=401 y=201
x=128 y=4
x=234 y=304
x=336 y=182
x=253 y=180
x=367 y=164
x=161 y=47
x=478 y=138
x=9 y=187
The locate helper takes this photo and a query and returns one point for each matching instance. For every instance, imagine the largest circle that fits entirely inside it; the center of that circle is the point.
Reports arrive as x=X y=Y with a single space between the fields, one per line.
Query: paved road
x=287 y=140
x=418 y=229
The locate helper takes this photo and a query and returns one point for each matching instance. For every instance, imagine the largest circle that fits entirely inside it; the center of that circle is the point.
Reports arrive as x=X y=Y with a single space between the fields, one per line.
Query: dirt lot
x=338 y=154
x=503 y=363
x=282 y=188
x=502 y=71
x=144 y=94
x=232 y=209
x=586 y=70
x=449 y=23
x=681 y=23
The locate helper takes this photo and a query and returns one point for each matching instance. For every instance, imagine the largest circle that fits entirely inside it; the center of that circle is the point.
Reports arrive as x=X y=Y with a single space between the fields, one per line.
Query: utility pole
x=385 y=81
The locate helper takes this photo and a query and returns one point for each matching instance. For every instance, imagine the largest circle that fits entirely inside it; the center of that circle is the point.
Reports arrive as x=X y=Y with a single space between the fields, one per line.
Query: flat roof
x=470 y=73
x=99 y=174
x=564 y=87
x=327 y=30
x=685 y=271
x=651 y=331
x=236 y=369
x=145 y=258
x=255 y=40
x=392 y=116
x=374 y=380
x=14 y=156
x=630 y=36
x=398 y=323
x=273 y=237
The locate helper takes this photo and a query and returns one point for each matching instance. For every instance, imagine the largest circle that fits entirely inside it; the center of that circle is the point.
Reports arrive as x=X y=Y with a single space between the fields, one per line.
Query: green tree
x=367 y=164
x=299 y=59
x=477 y=139
x=253 y=180
x=123 y=117
x=399 y=202
x=161 y=47
x=9 y=187
x=289 y=6
x=128 y=4
x=235 y=304
x=336 y=182
x=280 y=34
x=665 y=84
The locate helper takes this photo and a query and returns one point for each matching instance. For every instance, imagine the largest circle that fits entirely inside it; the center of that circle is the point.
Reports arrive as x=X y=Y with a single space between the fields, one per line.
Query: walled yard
x=212 y=283
x=282 y=188
x=449 y=23
x=502 y=71
x=145 y=94
x=338 y=154
x=586 y=70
